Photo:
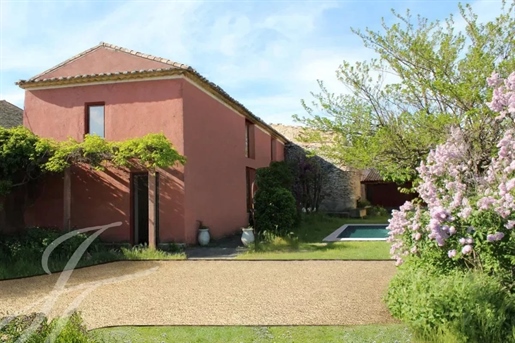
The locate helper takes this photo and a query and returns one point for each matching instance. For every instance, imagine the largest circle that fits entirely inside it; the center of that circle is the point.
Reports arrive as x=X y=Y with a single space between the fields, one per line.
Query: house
x=382 y=193
x=121 y=94
x=10 y=115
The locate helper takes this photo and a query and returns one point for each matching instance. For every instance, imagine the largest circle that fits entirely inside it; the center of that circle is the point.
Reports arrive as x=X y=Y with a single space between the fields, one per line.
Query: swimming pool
x=359 y=232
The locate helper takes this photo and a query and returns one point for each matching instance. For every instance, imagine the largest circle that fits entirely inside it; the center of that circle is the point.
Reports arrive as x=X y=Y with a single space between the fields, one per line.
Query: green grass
x=148 y=254
x=355 y=250
x=313 y=229
x=240 y=334
x=31 y=265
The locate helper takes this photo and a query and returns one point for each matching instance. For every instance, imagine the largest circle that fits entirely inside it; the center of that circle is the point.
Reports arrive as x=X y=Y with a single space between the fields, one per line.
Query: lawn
x=356 y=250
x=257 y=334
x=30 y=264
x=312 y=231
x=315 y=228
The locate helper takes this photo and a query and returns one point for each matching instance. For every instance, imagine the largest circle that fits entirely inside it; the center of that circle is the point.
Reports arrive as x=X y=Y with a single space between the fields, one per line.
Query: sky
x=266 y=54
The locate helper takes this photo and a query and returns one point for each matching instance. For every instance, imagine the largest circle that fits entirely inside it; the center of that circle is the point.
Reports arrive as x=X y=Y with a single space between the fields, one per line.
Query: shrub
x=274 y=211
x=468 y=215
x=59 y=330
x=33 y=242
x=362 y=203
x=277 y=175
x=457 y=307
x=377 y=211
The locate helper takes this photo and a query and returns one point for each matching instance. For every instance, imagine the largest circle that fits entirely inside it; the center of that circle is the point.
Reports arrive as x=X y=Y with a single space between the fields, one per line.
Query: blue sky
x=266 y=54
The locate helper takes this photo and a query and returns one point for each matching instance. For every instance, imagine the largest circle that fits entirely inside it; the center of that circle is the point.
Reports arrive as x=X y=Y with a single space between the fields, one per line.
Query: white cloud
x=268 y=57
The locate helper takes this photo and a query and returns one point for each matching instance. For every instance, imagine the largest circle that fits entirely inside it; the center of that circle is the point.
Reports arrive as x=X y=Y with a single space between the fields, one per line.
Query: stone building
x=341 y=186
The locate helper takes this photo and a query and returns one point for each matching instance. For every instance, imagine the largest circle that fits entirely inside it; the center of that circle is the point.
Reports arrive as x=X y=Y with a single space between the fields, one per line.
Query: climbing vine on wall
x=149 y=152
x=25 y=157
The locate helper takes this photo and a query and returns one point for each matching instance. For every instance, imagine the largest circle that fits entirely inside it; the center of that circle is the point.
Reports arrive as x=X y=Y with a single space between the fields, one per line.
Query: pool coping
x=333 y=237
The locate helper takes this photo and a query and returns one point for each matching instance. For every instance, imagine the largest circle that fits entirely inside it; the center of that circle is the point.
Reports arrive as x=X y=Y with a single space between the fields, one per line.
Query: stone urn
x=203 y=236
x=247 y=237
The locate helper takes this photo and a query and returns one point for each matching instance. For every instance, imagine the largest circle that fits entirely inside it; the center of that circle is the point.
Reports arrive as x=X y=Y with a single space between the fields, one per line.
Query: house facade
x=121 y=94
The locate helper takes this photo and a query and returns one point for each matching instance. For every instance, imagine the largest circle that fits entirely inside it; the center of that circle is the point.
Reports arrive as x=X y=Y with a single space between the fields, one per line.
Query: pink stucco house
x=120 y=94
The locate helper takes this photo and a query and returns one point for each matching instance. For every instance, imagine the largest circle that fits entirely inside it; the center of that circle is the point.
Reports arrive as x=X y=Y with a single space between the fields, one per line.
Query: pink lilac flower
x=485 y=202
x=451 y=253
x=495 y=237
x=494 y=80
x=467 y=249
x=510 y=224
x=510 y=184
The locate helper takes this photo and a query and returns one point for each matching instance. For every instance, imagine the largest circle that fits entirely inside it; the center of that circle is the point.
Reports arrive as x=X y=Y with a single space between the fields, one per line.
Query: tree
x=309 y=177
x=435 y=77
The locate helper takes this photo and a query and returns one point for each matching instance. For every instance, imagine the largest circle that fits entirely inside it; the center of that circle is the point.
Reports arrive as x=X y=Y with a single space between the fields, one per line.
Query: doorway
x=139 y=191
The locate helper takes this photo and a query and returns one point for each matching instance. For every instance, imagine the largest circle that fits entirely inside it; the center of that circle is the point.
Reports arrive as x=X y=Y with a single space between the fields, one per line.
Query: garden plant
x=456 y=244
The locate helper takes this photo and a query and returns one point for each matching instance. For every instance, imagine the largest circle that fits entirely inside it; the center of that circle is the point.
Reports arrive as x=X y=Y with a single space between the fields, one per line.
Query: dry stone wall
x=341 y=186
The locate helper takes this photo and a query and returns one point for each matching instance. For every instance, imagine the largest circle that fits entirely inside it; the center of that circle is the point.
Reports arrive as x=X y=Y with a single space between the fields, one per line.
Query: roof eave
x=134 y=75
x=102 y=77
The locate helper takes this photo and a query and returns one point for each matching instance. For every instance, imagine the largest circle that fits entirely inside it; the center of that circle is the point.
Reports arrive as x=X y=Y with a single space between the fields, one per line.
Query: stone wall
x=341 y=186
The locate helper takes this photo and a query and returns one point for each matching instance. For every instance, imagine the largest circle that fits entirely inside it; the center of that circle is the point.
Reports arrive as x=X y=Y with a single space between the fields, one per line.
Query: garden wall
x=341 y=186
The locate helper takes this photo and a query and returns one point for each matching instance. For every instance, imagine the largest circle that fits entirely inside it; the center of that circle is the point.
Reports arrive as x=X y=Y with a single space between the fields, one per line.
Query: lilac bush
x=465 y=216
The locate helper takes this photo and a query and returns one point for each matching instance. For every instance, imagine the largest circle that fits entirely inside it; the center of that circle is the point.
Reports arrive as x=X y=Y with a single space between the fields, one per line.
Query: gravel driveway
x=213 y=293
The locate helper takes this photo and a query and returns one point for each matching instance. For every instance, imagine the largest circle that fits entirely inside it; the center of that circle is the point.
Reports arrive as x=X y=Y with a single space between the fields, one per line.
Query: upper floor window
x=95 y=119
x=249 y=140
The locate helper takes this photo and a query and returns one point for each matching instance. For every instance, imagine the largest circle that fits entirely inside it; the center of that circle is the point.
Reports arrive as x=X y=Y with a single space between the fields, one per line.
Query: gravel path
x=213 y=293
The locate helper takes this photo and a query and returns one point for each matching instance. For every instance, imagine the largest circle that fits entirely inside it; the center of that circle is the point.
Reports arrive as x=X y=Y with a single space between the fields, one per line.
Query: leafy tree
x=427 y=77
x=25 y=157
x=309 y=177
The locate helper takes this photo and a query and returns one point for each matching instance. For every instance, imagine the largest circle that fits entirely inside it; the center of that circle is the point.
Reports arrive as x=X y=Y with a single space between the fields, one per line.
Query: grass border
x=242 y=325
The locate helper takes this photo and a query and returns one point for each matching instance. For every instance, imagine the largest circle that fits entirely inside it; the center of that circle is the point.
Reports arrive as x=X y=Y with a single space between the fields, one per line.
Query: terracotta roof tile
x=371 y=175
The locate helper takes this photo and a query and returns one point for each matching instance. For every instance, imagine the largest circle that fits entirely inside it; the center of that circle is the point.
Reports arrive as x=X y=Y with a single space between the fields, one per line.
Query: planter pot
x=359 y=213
x=247 y=237
x=203 y=236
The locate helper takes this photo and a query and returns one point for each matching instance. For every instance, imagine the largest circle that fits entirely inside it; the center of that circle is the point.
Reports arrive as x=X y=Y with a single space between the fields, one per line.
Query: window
x=273 y=147
x=95 y=119
x=249 y=139
x=251 y=187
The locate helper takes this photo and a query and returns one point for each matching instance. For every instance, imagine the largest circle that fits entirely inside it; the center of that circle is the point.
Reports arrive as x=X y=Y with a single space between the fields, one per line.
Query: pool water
x=365 y=231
